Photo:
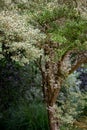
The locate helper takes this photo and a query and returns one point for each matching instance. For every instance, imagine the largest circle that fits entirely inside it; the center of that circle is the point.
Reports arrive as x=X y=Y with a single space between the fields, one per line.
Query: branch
x=65 y=55
x=66 y=61
x=75 y=67
x=81 y=58
x=64 y=65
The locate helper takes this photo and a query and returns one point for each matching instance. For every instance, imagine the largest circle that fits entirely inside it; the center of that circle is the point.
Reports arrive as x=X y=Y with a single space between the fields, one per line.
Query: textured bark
x=51 y=87
x=50 y=99
x=53 y=73
x=53 y=120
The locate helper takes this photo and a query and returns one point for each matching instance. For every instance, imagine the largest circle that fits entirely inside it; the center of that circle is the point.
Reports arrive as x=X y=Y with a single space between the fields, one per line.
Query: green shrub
x=28 y=117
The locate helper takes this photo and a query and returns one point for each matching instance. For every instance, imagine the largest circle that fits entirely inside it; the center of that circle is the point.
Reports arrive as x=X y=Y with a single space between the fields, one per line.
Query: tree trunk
x=51 y=81
x=53 y=120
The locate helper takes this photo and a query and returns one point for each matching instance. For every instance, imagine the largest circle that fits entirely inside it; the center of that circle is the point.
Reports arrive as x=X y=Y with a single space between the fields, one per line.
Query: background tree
x=14 y=45
x=72 y=103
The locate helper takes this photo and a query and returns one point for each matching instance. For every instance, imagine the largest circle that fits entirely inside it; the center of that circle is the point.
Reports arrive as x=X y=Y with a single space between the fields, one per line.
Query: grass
x=25 y=117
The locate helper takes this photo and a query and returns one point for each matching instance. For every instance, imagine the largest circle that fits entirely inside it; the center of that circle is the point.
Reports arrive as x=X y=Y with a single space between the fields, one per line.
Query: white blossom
x=20 y=35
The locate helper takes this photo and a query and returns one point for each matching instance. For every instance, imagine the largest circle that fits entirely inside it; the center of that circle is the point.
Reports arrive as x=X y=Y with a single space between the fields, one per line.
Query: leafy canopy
x=25 y=24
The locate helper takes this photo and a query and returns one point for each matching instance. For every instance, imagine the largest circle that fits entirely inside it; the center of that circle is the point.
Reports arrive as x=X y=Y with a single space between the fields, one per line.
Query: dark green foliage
x=29 y=117
x=31 y=83
x=9 y=83
x=18 y=82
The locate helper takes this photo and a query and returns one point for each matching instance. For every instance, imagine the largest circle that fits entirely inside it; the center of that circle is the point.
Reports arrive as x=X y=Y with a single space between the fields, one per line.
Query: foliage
x=83 y=78
x=10 y=84
x=31 y=83
x=18 y=37
x=19 y=83
x=29 y=117
x=68 y=34
x=48 y=30
x=21 y=31
x=72 y=102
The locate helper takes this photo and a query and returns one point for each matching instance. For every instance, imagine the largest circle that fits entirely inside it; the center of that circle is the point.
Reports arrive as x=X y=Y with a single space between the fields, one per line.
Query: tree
x=65 y=50
x=57 y=28
x=14 y=45
x=17 y=38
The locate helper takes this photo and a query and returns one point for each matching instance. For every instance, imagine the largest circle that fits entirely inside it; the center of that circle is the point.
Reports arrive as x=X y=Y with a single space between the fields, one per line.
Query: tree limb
x=81 y=59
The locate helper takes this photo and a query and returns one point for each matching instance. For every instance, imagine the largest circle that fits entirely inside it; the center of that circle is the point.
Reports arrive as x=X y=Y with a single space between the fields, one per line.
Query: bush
x=10 y=83
x=28 y=117
x=72 y=102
